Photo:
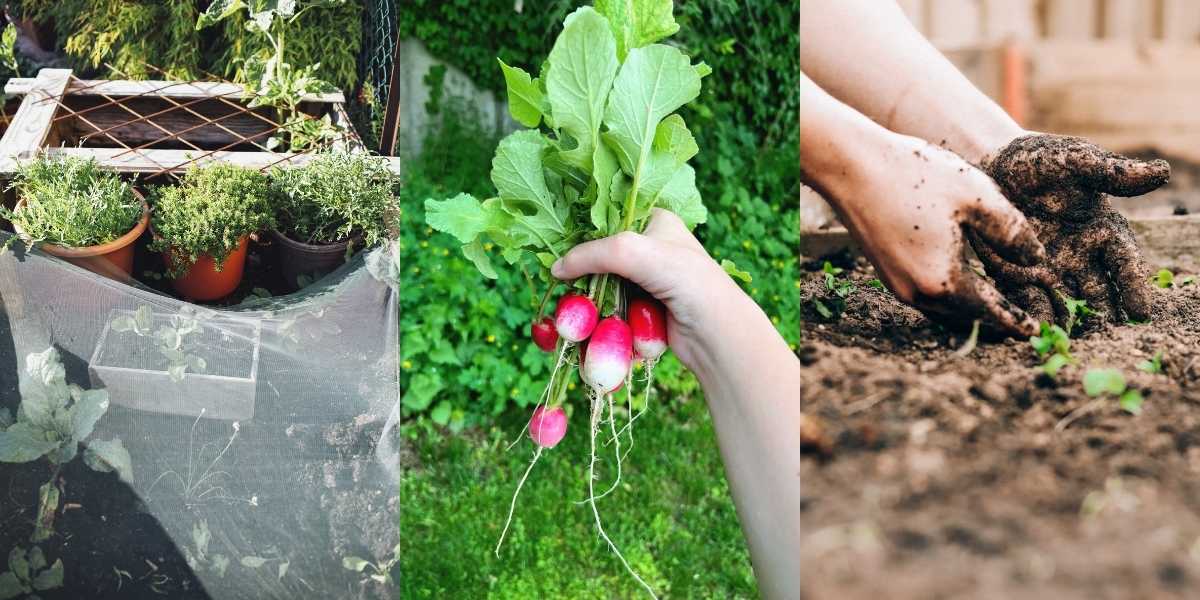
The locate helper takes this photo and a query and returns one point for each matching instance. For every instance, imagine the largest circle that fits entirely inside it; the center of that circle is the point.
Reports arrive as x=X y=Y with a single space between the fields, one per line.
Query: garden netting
x=261 y=437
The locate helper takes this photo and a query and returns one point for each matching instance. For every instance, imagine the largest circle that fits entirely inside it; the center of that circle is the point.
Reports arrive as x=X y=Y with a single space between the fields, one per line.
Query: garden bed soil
x=931 y=475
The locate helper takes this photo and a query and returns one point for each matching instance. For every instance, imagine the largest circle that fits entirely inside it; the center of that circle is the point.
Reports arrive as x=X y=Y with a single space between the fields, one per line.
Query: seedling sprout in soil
x=53 y=419
x=605 y=148
x=1165 y=278
x=832 y=307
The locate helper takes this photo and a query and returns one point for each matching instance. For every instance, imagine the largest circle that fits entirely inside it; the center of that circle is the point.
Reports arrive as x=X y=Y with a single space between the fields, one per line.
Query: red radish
x=544 y=334
x=548 y=426
x=575 y=317
x=648 y=321
x=583 y=358
x=610 y=351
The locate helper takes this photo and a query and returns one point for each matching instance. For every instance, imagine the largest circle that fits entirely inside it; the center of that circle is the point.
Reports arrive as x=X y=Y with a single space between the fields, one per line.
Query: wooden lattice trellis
x=155 y=127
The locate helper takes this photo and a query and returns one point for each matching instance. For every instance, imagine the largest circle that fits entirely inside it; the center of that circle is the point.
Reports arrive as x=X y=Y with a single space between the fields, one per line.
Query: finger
x=1035 y=301
x=633 y=256
x=1005 y=229
x=1094 y=288
x=985 y=300
x=1122 y=176
x=1046 y=162
x=667 y=226
x=1130 y=275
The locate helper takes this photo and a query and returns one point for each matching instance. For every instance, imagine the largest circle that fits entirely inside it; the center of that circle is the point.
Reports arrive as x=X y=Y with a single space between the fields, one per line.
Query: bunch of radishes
x=608 y=349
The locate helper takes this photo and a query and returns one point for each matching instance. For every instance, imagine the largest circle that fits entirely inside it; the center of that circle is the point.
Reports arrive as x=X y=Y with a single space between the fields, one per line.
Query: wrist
x=738 y=335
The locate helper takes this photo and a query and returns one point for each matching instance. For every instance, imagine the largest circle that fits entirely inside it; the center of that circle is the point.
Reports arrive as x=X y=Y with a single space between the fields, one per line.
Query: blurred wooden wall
x=953 y=23
x=1124 y=73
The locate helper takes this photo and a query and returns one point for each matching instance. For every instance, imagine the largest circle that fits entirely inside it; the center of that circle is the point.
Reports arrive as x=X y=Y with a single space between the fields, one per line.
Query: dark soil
x=930 y=475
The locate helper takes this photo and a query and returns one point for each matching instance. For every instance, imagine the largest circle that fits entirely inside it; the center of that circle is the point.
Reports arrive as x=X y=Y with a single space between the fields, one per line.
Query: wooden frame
x=152 y=127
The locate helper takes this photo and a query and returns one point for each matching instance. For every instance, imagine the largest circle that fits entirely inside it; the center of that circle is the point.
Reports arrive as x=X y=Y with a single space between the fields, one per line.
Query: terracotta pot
x=298 y=258
x=113 y=260
x=204 y=282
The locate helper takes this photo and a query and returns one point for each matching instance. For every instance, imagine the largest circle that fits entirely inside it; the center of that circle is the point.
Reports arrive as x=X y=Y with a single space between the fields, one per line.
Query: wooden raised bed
x=152 y=127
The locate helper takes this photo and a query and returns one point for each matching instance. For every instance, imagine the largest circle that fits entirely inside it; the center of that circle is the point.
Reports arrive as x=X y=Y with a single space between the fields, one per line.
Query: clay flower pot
x=113 y=259
x=298 y=258
x=204 y=282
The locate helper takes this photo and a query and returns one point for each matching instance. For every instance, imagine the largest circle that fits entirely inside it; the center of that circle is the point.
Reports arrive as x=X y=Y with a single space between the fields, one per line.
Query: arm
x=751 y=380
x=867 y=54
x=907 y=203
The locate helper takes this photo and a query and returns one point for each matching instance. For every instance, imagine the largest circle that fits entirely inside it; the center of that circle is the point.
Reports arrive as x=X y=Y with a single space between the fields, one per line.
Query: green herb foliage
x=133 y=35
x=270 y=77
x=208 y=213
x=72 y=202
x=335 y=196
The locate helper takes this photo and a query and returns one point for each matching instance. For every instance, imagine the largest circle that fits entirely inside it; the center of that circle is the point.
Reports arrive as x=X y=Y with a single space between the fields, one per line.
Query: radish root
x=596 y=414
x=513 y=507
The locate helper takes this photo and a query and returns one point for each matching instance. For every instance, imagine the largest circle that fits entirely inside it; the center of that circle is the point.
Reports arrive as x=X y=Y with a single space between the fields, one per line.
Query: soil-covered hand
x=1062 y=185
x=908 y=208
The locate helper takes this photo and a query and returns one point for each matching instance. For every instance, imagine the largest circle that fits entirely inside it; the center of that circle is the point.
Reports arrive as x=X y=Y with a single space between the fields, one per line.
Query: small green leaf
x=733 y=271
x=441 y=413
x=1054 y=364
x=18 y=563
x=1153 y=365
x=253 y=562
x=1097 y=382
x=525 y=99
x=877 y=284
x=49 y=579
x=22 y=442
x=478 y=256
x=283 y=569
x=217 y=11
x=109 y=455
x=1164 y=278
x=421 y=390
x=1131 y=401
x=10 y=586
x=354 y=563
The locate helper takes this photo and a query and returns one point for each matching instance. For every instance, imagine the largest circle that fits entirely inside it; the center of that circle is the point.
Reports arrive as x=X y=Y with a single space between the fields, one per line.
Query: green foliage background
x=466 y=342
x=129 y=34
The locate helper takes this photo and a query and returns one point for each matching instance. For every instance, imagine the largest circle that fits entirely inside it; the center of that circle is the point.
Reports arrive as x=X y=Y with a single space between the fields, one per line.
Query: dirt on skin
x=930 y=475
x=1062 y=184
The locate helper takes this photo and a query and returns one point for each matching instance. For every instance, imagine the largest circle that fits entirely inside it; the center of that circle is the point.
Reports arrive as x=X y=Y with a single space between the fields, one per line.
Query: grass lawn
x=672 y=516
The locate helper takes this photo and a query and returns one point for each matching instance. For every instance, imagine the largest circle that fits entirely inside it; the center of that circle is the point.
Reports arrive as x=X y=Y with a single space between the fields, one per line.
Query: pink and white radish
x=609 y=355
x=544 y=334
x=648 y=322
x=548 y=426
x=575 y=317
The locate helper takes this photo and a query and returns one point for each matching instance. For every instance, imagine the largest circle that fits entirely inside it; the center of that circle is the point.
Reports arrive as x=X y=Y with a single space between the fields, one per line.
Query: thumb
x=994 y=219
x=633 y=256
x=1122 y=176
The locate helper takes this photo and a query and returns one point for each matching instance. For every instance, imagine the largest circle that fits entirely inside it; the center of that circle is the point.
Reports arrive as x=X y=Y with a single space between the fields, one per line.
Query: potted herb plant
x=202 y=226
x=79 y=212
x=327 y=209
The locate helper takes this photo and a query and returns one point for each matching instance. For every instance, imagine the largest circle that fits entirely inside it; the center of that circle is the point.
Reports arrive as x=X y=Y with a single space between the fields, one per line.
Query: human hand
x=668 y=262
x=908 y=207
x=1062 y=184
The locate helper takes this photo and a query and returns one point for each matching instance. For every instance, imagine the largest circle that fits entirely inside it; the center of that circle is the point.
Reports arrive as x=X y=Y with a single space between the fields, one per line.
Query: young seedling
x=1054 y=346
x=172 y=339
x=1152 y=365
x=832 y=307
x=29 y=573
x=381 y=572
x=1110 y=382
x=53 y=419
x=1077 y=311
x=1164 y=278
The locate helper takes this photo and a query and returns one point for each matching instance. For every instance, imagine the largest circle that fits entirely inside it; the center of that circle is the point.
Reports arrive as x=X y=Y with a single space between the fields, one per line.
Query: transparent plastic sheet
x=262 y=436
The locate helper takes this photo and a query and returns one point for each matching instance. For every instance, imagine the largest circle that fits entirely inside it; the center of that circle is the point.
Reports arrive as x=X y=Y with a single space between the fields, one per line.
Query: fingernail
x=556 y=268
